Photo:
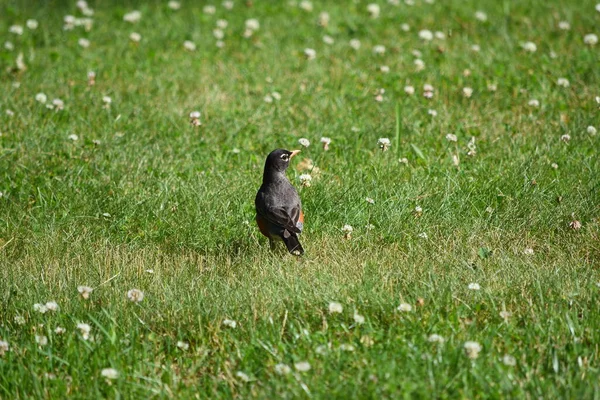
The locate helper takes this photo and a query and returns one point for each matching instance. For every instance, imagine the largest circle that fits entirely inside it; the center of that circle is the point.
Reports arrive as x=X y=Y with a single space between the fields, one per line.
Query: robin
x=278 y=208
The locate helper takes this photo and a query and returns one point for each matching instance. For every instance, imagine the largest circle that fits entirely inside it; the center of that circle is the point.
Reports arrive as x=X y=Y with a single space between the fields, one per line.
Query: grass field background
x=483 y=247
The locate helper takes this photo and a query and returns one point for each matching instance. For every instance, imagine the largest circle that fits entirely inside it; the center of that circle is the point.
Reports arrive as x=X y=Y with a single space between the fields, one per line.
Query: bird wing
x=280 y=216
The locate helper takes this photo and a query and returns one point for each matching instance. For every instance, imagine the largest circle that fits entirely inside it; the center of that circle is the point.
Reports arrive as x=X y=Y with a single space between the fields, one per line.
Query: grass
x=144 y=200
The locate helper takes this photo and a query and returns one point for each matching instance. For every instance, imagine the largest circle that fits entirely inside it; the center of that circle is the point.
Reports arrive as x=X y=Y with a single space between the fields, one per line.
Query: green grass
x=158 y=194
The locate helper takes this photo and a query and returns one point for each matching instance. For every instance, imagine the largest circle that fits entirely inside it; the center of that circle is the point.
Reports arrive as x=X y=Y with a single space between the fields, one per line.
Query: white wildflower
x=565 y=138
x=41 y=340
x=243 y=377
x=373 y=10
x=252 y=24
x=590 y=39
x=404 y=307
x=355 y=44
x=135 y=295
x=529 y=46
x=474 y=286
x=41 y=97
x=410 y=90
x=533 y=103
x=133 y=16
x=451 y=137
x=32 y=24
x=359 y=319
x=384 y=143
x=183 y=345
x=109 y=373
x=135 y=37
x=83 y=42
x=481 y=16
x=189 y=45
x=52 y=306
x=229 y=323
x=564 y=26
x=85 y=330
x=325 y=141
x=302 y=366
x=472 y=349
x=528 y=251
x=304 y=142
x=426 y=35
x=379 y=49
x=310 y=54
x=591 y=130
x=405 y=27
x=563 y=82
x=509 y=360
x=435 y=338
x=41 y=308
x=59 y=330
x=305 y=179
x=467 y=92
x=209 y=9
x=16 y=29
x=174 y=5
x=347 y=230
x=282 y=369
x=335 y=308
x=328 y=40
x=419 y=64
x=84 y=291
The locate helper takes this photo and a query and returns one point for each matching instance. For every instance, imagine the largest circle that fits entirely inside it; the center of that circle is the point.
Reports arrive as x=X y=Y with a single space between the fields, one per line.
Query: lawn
x=462 y=152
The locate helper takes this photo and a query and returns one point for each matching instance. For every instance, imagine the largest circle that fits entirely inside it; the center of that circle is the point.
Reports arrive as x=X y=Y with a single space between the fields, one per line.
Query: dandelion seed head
x=335 y=308
x=135 y=295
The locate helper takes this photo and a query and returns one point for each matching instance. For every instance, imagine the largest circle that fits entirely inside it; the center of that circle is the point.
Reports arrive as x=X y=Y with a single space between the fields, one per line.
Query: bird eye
x=285 y=157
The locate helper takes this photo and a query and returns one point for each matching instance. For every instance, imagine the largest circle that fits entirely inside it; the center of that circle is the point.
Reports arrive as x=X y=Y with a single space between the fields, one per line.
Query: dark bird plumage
x=278 y=208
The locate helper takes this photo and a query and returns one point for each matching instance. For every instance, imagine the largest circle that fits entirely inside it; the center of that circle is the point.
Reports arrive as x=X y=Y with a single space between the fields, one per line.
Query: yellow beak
x=294 y=152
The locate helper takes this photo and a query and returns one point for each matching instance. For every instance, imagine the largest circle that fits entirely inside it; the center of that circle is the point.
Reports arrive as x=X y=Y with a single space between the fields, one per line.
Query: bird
x=279 y=213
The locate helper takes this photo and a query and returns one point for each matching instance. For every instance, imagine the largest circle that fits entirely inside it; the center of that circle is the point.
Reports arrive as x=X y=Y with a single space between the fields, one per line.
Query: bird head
x=278 y=160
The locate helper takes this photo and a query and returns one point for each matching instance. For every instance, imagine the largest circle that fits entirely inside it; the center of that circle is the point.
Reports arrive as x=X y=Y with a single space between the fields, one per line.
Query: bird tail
x=292 y=243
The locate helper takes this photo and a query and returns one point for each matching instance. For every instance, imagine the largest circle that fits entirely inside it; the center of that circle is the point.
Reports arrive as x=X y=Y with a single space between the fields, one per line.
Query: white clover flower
x=435 y=338
x=379 y=49
x=268 y=99
x=481 y=16
x=451 y=137
x=410 y=90
x=282 y=369
x=84 y=329
x=598 y=7
x=229 y=323
x=472 y=349
x=467 y=92
x=252 y=24
x=418 y=210
x=359 y=319
x=403 y=160
x=346 y=347
x=9 y=46
x=404 y=307
x=41 y=308
x=509 y=360
x=347 y=230
x=419 y=64
x=476 y=48
x=135 y=37
x=209 y=9
x=529 y=46
x=563 y=82
x=218 y=34
x=135 y=295
x=243 y=376
x=302 y=366
x=423 y=235
x=355 y=44
x=228 y=4
x=222 y=23
x=305 y=179
x=533 y=103
x=19 y=319
x=310 y=54
x=73 y=137
x=183 y=345
x=189 y=45
x=16 y=29
x=564 y=26
x=384 y=144
x=58 y=104
x=220 y=44
x=528 y=251
x=591 y=130
x=433 y=113
x=565 y=138
x=174 y=5
x=440 y=35
x=133 y=16
x=324 y=19
x=379 y=95
x=41 y=97
x=590 y=39
x=306 y=5
x=4 y=347
x=41 y=340
x=505 y=315
x=59 y=330
x=474 y=286
x=373 y=10
x=325 y=141
x=405 y=27
x=276 y=95
x=328 y=40
x=426 y=35
x=417 y=53
x=83 y=42
x=84 y=291
x=106 y=100
x=304 y=142
x=335 y=308
x=428 y=87
x=554 y=165
x=109 y=373
x=52 y=306
x=32 y=24
x=370 y=200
